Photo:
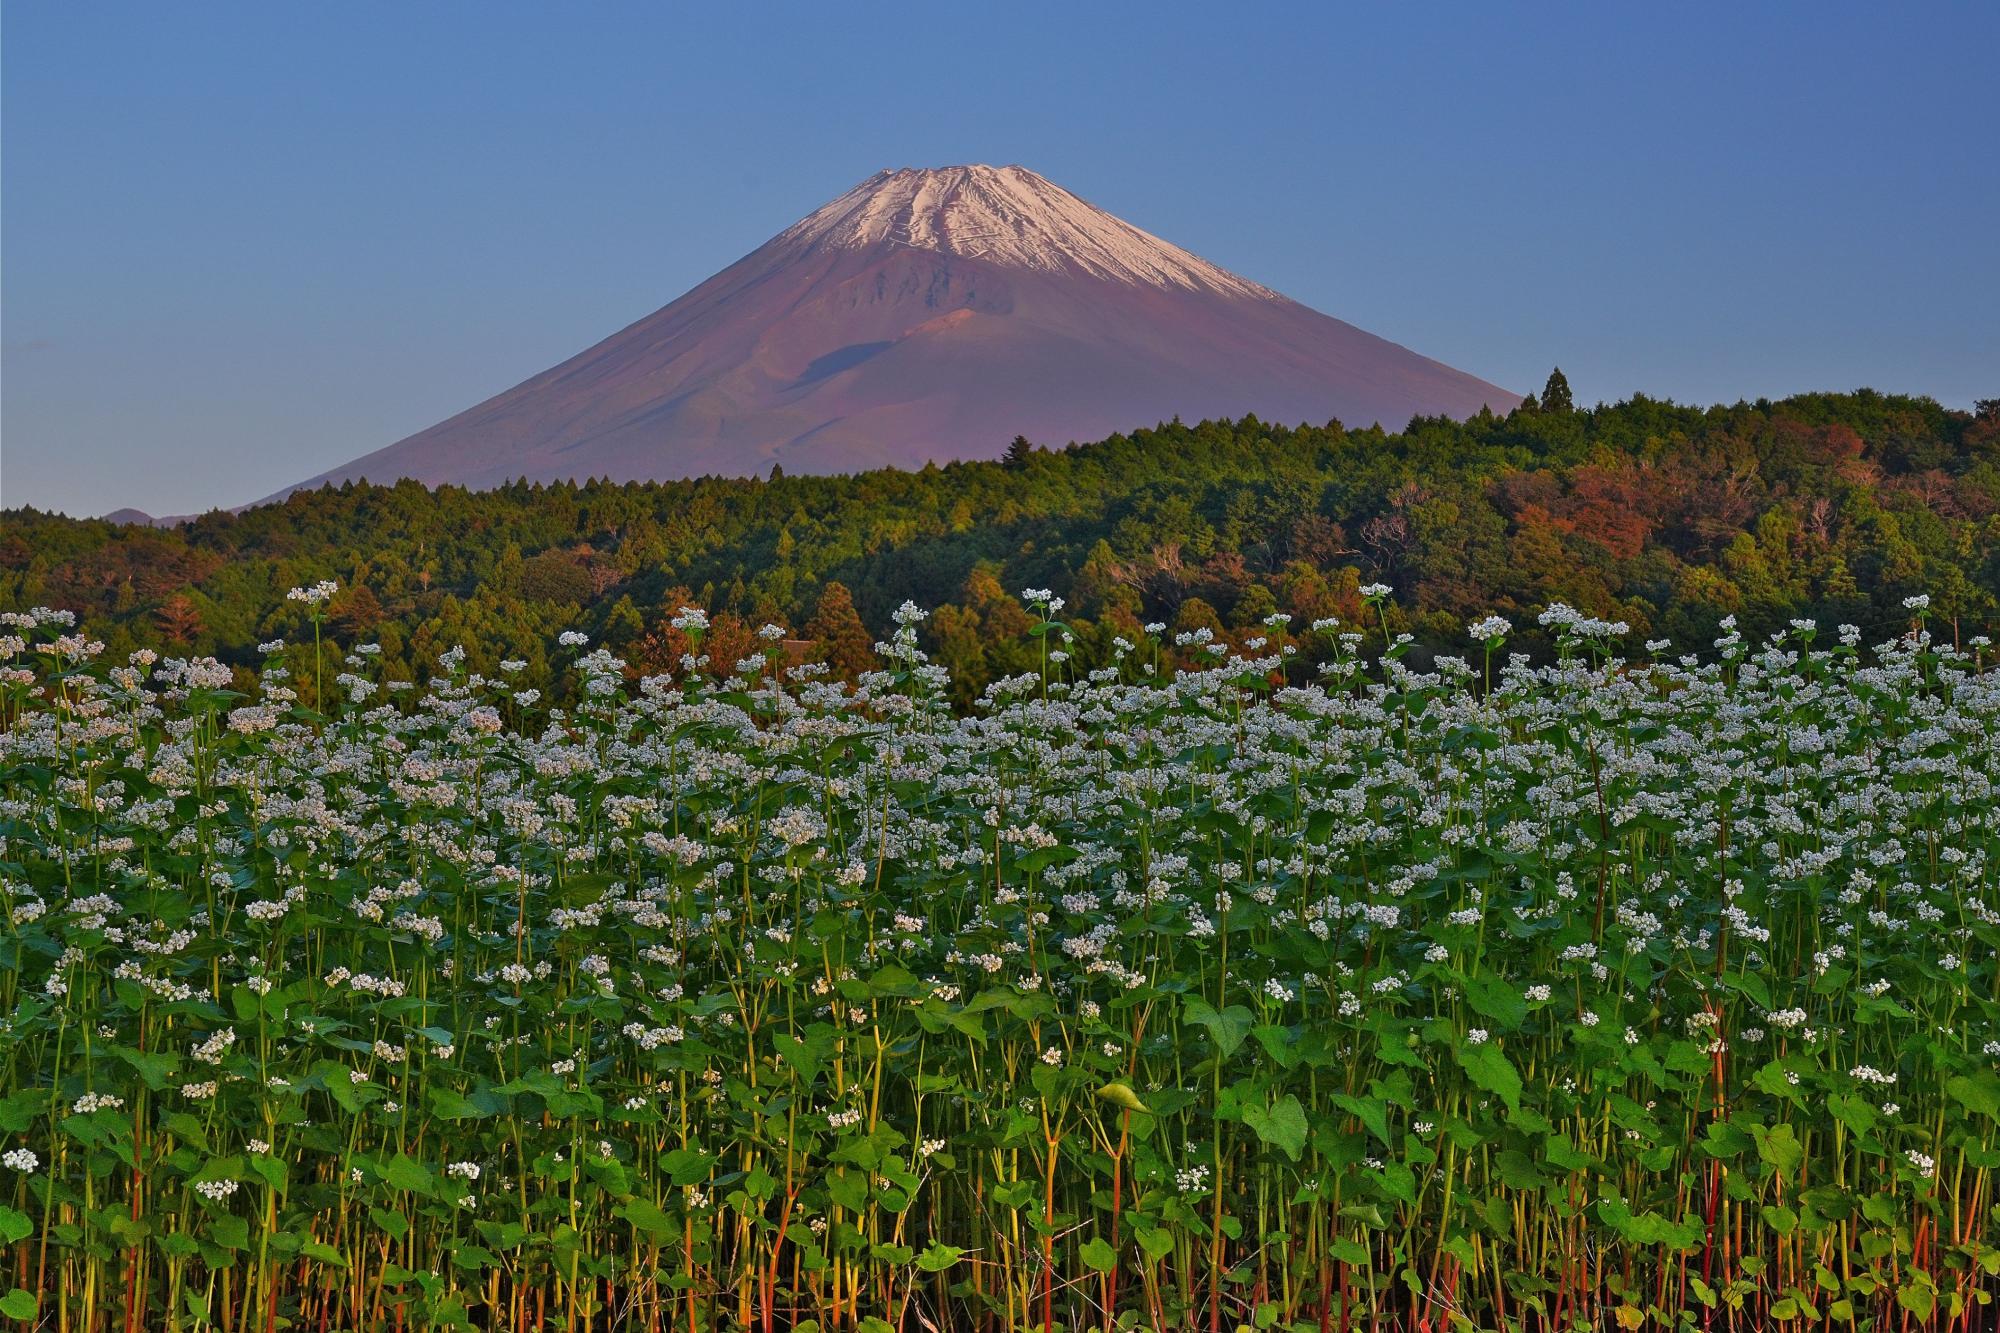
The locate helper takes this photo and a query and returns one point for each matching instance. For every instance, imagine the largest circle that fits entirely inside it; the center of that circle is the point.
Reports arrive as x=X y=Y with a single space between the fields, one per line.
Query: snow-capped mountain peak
x=1011 y=216
x=926 y=316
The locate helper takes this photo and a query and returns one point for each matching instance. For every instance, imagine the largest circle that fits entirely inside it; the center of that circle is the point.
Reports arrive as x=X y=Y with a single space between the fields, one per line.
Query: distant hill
x=1829 y=506
x=928 y=316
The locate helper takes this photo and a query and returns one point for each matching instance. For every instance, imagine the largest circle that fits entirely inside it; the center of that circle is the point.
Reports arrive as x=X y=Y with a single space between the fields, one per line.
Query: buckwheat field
x=1200 y=989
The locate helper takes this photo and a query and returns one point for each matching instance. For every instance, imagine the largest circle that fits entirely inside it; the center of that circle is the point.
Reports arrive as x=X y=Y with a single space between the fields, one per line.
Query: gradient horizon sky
x=245 y=243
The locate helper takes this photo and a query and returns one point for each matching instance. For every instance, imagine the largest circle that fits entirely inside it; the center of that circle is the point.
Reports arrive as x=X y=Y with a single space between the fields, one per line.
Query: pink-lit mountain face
x=928 y=315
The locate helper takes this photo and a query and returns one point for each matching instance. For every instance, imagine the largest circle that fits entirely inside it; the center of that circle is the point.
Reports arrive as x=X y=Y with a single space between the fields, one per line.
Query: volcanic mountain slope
x=928 y=315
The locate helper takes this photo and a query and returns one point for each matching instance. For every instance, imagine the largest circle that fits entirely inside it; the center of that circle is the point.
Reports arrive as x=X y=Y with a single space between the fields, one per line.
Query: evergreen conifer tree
x=1555 y=394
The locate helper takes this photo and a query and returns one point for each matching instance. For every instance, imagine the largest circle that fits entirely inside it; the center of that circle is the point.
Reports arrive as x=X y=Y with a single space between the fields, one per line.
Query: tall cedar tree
x=1555 y=394
x=843 y=642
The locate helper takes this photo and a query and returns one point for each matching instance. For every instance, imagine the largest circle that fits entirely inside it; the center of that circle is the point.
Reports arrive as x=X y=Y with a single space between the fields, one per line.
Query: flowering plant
x=1598 y=989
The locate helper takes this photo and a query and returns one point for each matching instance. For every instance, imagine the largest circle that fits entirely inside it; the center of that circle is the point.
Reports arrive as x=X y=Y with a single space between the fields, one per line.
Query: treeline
x=1830 y=506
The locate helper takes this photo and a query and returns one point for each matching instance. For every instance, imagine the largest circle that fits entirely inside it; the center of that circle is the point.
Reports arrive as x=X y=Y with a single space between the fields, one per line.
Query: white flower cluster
x=215 y=1046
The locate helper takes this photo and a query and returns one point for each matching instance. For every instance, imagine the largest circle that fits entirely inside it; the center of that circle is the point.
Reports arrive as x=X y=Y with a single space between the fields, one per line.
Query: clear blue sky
x=245 y=242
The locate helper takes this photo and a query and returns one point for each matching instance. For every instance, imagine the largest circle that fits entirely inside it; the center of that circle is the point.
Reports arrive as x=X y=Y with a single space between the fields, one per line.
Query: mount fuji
x=927 y=315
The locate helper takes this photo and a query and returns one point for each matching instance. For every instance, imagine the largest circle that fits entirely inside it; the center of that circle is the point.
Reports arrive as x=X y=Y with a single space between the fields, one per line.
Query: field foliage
x=1625 y=989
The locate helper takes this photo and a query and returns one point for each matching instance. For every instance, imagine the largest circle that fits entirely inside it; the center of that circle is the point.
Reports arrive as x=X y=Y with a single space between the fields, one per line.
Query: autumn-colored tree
x=355 y=612
x=838 y=635
x=156 y=571
x=1536 y=557
x=1223 y=579
x=178 y=620
x=1608 y=506
x=1348 y=606
x=1318 y=540
x=730 y=639
x=658 y=650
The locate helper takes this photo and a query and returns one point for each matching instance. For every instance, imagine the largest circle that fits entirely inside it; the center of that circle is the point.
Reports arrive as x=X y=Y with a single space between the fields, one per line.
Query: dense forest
x=1830 y=506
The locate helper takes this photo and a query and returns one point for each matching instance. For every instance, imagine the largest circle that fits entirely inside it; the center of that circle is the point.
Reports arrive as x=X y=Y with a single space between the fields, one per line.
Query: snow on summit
x=1007 y=215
